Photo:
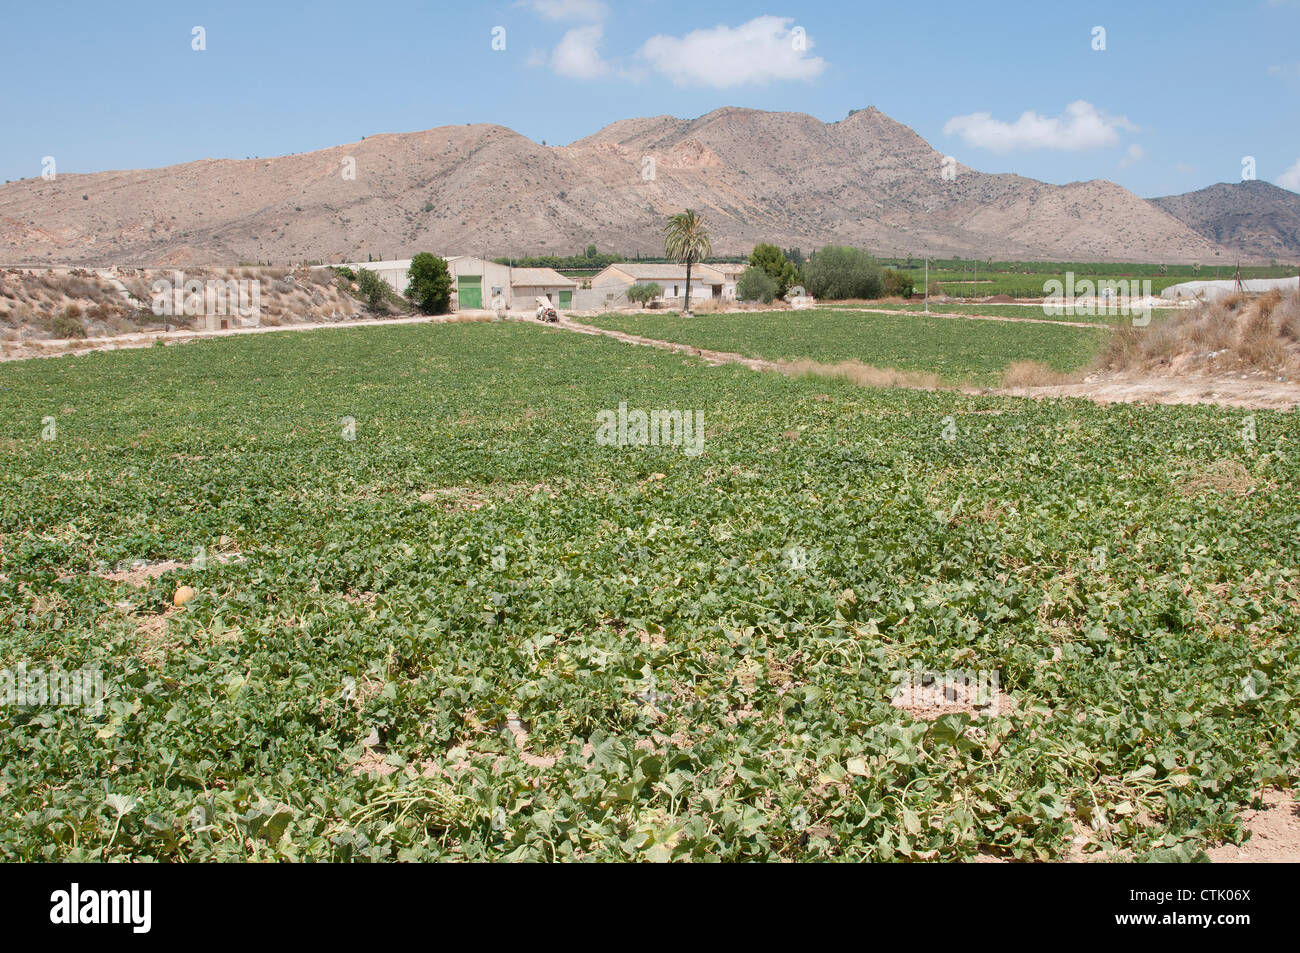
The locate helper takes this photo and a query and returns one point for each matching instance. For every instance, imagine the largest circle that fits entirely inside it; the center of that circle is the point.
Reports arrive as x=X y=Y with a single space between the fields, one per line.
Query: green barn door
x=566 y=299
x=471 y=291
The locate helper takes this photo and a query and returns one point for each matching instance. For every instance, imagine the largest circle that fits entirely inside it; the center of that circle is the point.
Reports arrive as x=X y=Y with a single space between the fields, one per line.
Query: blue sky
x=1180 y=95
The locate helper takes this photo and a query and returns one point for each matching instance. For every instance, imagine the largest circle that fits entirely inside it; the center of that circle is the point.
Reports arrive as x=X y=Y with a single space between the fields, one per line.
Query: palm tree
x=686 y=240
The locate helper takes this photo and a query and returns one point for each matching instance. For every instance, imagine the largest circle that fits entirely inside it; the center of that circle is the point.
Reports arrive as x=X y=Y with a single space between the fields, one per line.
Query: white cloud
x=578 y=53
x=1132 y=156
x=766 y=48
x=567 y=9
x=1290 y=179
x=1082 y=126
x=1284 y=70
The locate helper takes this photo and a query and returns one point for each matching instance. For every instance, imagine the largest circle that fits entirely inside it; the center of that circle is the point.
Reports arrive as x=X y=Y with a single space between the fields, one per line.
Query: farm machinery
x=546 y=311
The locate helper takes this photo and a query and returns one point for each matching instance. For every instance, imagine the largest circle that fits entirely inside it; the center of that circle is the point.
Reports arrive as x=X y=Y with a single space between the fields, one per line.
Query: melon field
x=435 y=616
x=958 y=351
x=1026 y=279
x=1034 y=311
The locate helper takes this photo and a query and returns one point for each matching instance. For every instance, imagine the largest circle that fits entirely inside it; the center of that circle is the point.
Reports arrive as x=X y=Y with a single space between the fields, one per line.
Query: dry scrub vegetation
x=1237 y=334
x=1254 y=337
x=43 y=305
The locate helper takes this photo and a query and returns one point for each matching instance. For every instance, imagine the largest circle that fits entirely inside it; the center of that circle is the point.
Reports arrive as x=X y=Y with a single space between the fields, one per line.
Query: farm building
x=475 y=282
x=609 y=287
x=528 y=284
x=731 y=272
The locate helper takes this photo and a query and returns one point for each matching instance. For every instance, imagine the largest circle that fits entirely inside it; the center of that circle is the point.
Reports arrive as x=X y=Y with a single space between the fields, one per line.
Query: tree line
x=835 y=272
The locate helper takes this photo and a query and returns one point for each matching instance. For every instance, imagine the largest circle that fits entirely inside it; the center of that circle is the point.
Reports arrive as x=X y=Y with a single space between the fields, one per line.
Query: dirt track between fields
x=713 y=357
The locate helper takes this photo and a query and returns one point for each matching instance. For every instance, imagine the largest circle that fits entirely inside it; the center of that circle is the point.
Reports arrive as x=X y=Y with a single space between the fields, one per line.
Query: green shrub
x=374 y=290
x=773 y=261
x=838 y=272
x=430 y=283
x=644 y=293
x=68 y=324
x=756 y=285
x=898 y=284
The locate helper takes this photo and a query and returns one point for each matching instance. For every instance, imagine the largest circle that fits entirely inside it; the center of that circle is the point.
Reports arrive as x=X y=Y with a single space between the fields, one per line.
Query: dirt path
x=713 y=357
x=1252 y=394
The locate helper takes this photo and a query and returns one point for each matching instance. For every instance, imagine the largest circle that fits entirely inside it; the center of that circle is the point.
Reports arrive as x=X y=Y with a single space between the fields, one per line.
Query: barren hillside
x=759 y=176
x=77 y=303
x=1253 y=218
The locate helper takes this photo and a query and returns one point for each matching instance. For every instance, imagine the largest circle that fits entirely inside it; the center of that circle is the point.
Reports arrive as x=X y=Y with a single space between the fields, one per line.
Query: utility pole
x=927 y=282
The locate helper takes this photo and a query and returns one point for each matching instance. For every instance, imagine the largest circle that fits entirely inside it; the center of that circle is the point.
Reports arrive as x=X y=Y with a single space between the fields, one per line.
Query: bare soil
x=1274 y=834
x=1253 y=393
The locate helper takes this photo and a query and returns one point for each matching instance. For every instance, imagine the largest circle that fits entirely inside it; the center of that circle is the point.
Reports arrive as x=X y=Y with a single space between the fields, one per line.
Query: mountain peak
x=1253 y=218
x=757 y=176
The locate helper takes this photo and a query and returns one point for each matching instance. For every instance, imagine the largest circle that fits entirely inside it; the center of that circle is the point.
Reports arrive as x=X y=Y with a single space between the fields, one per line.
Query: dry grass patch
x=864 y=375
x=1032 y=374
x=151 y=631
x=1222 y=476
x=462 y=318
x=473 y=497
